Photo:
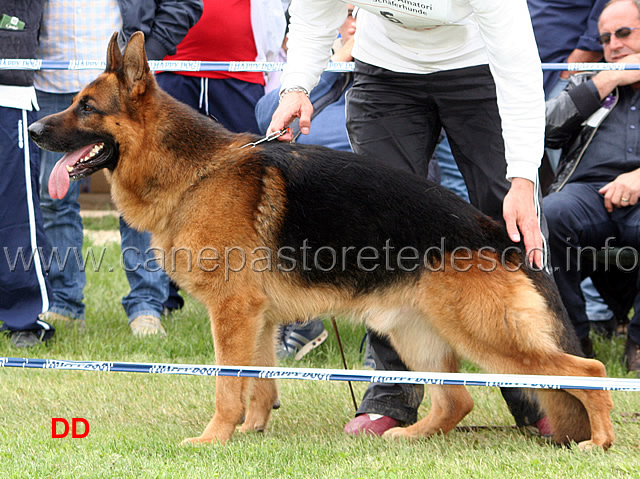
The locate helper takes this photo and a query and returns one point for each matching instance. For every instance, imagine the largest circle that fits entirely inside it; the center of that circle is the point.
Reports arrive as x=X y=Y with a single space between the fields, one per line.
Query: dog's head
x=101 y=117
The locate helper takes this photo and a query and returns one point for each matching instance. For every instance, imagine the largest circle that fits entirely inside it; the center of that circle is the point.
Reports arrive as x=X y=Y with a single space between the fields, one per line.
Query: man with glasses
x=596 y=122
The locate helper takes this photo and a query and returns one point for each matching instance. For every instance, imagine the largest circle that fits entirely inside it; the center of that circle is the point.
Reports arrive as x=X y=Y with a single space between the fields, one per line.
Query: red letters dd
x=74 y=427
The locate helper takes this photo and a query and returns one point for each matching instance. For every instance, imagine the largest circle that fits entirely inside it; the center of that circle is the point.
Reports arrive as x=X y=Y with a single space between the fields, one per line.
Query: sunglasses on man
x=622 y=32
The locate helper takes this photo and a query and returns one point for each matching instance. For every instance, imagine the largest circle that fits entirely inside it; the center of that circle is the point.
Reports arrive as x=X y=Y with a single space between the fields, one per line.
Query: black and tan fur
x=187 y=180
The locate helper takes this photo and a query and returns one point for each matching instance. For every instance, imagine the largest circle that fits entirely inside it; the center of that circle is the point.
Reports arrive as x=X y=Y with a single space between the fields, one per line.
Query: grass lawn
x=138 y=420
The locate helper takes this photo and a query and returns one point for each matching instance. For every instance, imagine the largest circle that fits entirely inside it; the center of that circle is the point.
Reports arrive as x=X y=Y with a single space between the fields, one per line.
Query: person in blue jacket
x=24 y=287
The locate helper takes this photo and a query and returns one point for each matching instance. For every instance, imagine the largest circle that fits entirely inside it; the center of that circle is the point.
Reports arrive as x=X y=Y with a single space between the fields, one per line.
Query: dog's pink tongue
x=59 y=179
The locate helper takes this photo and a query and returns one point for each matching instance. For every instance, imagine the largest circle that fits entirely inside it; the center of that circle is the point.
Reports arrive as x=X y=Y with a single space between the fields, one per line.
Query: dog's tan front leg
x=235 y=324
x=264 y=392
x=229 y=411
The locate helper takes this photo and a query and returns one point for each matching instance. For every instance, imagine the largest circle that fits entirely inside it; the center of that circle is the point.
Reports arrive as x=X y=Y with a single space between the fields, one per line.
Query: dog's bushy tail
x=568 y=417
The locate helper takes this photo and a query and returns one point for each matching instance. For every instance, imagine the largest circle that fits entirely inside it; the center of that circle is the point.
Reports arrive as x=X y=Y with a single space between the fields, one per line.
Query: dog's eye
x=87 y=108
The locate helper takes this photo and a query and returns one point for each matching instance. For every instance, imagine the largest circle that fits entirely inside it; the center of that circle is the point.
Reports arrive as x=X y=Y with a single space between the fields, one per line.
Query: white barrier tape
x=410 y=377
x=157 y=65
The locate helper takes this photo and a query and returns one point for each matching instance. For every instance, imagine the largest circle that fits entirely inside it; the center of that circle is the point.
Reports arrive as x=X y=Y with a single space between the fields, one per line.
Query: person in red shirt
x=232 y=30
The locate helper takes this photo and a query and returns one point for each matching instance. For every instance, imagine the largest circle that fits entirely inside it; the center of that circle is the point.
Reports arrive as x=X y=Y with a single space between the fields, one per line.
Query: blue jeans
x=450 y=176
x=63 y=226
x=149 y=284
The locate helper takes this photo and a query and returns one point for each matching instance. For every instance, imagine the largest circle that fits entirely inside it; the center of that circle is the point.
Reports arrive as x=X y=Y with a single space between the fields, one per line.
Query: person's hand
x=343 y=54
x=581 y=56
x=522 y=222
x=622 y=192
x=606 y=81
x=294 y=104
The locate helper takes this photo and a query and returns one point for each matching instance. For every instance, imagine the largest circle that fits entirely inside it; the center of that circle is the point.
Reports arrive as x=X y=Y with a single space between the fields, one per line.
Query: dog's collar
x=269 y=137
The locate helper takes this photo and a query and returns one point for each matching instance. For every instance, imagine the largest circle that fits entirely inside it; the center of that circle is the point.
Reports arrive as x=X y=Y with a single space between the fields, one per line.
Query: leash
x=344 y=361
x=269 y=137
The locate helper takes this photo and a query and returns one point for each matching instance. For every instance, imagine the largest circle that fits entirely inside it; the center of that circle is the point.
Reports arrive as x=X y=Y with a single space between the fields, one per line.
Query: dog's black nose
x=36 y=130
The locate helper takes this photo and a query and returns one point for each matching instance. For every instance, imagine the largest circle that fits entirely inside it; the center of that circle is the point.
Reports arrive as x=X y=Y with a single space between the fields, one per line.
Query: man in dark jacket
x=24 y=288
x=594 y=203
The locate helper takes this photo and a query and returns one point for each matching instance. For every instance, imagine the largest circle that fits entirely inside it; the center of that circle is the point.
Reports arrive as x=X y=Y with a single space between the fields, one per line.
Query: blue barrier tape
x=409 y=377
x=156 y=65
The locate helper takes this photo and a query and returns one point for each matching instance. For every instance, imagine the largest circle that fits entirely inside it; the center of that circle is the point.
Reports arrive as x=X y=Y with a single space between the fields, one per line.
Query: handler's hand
x=293 y=105
x=520 y=216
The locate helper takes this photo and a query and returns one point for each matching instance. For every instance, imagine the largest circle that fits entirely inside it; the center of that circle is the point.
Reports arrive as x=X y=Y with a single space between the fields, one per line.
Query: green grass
x=138 y=420
x=103 y=222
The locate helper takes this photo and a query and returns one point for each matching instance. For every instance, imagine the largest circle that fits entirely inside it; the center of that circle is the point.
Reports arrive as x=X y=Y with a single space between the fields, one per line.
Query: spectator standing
x=80 y=30
x=24 y=288
x=235 y=30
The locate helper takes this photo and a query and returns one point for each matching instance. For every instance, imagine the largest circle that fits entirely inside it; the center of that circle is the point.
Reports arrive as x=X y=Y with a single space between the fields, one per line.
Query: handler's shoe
x=146 y=325
x=541 y=428
x=60 y=319
x=369 y=424
x=298 y=340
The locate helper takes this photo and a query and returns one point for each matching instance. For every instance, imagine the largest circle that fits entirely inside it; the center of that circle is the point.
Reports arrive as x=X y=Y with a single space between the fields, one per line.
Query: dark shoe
x=370 y=425
x=605 y=328
x=174 y=302
x=27 y=339
x=587 y=347
x=297 y=339
x=632 y=353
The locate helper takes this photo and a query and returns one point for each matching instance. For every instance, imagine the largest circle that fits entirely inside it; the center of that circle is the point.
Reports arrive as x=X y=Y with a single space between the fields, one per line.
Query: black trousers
x=397 y=118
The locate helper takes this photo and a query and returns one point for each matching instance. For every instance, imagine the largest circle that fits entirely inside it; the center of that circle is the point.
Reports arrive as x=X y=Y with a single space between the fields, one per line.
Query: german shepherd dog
x=290 y=231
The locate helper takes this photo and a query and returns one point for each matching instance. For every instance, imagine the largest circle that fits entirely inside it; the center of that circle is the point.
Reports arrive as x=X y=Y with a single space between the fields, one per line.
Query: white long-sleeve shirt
x=426 y=36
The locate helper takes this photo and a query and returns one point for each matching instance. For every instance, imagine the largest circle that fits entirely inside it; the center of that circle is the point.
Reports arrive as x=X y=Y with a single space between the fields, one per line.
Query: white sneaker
x=146 y=325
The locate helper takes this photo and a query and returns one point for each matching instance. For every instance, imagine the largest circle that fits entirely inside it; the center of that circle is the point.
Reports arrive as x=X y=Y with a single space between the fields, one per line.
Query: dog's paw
x=201 y=440
x=252 y=428
x=398 y=433
x=590 y=445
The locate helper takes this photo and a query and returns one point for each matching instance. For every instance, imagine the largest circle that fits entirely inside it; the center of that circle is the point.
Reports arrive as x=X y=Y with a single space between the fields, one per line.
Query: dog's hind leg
x=501 y=322
x=236 y=323
x=567 y=408
x=422 y=349
x=264 y=392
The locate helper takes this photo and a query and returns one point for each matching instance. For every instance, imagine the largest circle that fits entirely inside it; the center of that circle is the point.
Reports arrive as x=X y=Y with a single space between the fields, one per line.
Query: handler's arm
x=515 y=65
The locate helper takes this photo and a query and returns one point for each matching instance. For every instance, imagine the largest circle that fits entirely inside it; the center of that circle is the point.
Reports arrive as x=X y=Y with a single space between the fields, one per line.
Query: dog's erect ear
x=114 y=56
x=136 y=68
